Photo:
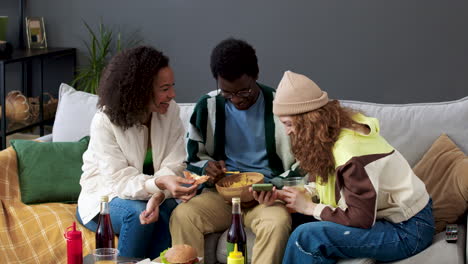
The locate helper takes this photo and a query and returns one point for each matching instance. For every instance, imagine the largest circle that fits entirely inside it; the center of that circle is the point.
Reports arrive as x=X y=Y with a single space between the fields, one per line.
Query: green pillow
x=49 y=171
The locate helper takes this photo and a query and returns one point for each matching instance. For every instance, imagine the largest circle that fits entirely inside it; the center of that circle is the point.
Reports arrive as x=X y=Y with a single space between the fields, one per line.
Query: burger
x=180 y=254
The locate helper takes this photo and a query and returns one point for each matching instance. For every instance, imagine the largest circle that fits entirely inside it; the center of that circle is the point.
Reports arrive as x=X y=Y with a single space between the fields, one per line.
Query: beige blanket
x=33 y=234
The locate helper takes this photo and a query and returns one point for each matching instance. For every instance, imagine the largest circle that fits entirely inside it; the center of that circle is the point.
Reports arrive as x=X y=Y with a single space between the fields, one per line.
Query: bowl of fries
x=237 y=185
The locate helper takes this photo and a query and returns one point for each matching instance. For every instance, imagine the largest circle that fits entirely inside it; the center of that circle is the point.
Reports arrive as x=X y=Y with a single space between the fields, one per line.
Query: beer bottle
x=236 y=233
x=104 y=231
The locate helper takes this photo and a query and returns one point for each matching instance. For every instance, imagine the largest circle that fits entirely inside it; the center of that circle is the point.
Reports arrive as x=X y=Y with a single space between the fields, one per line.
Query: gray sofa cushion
x=412 y=128
x=440 y=251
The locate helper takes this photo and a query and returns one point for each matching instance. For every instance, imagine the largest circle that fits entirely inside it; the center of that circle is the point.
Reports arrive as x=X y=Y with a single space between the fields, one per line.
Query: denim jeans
x=137 y=240
x=326 y=242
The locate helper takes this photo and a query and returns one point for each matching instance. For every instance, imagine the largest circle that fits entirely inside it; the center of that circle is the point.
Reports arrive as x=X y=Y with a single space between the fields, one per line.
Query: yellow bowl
x=246 y=179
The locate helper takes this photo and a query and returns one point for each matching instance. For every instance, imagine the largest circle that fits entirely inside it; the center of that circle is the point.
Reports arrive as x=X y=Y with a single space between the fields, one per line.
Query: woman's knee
x=298 y=234
x=307 y=236
x=303 y=248
x=136 y=206
x=91 y=225
x=127 y=210
x=132 y=214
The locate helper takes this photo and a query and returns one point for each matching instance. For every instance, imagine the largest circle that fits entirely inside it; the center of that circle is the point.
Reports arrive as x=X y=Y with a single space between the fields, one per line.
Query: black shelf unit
x=27 y=57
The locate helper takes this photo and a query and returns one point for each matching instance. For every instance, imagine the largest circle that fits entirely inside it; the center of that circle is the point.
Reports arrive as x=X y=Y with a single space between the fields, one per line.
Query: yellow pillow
x=444 y=170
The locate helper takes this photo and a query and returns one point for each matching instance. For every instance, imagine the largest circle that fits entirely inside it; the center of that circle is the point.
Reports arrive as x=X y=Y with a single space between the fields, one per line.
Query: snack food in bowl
x=237 y=185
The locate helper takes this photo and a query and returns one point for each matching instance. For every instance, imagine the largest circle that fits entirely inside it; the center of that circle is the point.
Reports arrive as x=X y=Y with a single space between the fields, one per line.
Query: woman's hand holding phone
x=264 y=193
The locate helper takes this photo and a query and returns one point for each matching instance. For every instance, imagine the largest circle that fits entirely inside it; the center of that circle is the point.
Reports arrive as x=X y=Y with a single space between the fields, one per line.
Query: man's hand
x=151 y=214
x=266 y=198
x=216 y=170
x=174 y=185
x=297 y=200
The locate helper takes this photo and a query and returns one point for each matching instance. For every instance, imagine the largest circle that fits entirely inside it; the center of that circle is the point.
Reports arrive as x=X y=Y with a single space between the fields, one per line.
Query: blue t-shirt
x=245 y=138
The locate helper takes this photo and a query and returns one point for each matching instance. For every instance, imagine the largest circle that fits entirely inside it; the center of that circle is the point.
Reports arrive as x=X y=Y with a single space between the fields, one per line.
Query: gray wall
x=396 y=51
x=10 y=8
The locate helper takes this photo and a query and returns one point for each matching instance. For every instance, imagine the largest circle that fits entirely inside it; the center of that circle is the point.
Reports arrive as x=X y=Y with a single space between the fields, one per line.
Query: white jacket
x=113 y=163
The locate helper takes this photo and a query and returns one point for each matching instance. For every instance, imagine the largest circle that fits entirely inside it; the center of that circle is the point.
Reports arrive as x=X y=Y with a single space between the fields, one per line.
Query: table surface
x=88 y=259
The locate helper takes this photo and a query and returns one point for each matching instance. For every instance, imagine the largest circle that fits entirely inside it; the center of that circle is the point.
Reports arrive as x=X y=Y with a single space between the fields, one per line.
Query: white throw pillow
x=75 y=111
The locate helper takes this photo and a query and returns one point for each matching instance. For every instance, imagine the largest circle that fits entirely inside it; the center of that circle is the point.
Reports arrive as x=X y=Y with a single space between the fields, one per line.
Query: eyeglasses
x=242 y=93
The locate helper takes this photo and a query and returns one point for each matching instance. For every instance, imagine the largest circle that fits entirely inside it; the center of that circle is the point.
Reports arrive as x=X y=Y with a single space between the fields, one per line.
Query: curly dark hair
x=232 y=58
x=126 y=85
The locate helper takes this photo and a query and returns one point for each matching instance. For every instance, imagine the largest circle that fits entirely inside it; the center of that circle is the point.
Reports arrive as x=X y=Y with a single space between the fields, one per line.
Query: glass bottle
x=236 y=233
x=104 y=231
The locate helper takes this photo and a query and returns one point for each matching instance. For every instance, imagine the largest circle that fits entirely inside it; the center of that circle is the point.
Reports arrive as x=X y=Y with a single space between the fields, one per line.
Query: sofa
x=34 y=233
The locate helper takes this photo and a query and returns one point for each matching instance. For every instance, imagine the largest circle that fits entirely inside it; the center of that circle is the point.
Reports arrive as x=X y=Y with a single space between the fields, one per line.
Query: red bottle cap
x=72 y=233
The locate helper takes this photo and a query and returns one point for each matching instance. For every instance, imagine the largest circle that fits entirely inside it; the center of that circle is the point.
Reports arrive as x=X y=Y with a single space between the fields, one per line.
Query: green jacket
x=206 y=135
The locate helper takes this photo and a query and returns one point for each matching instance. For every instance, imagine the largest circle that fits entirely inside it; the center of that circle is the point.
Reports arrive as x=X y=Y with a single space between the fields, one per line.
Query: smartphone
x=258 y=187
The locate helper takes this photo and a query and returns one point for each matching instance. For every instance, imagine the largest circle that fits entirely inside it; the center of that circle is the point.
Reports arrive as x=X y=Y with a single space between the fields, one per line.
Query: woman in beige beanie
x=371 y=203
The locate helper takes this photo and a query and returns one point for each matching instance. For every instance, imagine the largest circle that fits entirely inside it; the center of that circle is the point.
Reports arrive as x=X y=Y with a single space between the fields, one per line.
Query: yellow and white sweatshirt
x=372 y=181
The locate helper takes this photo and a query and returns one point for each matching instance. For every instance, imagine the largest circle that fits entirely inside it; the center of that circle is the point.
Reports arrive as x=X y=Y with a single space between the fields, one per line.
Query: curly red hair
x=315 y=134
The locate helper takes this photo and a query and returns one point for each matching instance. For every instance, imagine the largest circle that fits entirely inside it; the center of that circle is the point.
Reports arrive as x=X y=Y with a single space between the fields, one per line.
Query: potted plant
x=100 y=49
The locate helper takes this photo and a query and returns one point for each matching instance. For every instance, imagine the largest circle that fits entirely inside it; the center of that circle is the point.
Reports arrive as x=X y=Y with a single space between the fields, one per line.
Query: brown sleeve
x=360 y=196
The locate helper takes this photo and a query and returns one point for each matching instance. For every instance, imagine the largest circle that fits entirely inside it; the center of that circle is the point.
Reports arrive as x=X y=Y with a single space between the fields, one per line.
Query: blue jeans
x=326 y=242
x=137 y=240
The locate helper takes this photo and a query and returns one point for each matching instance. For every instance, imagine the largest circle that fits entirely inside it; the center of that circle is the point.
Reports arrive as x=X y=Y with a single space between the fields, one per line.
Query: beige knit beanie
x=297 y=94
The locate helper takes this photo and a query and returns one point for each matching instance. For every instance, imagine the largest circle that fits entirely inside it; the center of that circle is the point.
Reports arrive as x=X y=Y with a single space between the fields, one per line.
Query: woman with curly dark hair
x=372 y=205
x=136 y=153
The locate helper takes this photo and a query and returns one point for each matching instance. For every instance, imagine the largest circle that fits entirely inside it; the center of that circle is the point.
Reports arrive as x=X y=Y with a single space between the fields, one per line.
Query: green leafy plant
x=100 y=49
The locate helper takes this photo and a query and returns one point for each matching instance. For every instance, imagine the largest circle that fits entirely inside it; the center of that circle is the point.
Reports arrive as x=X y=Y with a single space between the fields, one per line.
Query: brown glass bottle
x=236 y=233
x=104 y=231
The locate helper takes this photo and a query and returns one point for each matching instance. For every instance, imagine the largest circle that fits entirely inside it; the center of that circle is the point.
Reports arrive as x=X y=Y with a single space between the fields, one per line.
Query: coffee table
x=88 y=259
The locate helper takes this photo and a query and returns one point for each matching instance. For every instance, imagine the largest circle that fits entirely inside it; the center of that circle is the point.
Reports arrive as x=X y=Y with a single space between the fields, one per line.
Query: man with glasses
x=235 y=130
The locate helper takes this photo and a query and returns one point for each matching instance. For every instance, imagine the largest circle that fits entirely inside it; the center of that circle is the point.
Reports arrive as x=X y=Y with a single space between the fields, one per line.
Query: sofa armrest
x=466 y=239
x=440 y=251
x=46 y=138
